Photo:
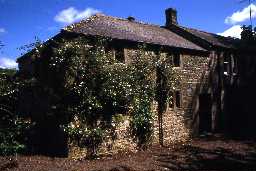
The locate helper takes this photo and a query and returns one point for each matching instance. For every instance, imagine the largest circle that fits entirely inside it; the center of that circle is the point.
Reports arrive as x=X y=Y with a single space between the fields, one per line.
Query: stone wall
x=173 y=128
x=119 y=138
x=195 y=75
x=179 y=124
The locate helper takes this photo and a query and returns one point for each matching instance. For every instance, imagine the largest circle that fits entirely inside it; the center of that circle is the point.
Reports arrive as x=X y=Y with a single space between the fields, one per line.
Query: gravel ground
x=204 y=154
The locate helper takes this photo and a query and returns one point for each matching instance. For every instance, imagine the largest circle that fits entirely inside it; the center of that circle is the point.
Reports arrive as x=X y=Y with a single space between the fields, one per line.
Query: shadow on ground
x=218 y=157
x=214 y=153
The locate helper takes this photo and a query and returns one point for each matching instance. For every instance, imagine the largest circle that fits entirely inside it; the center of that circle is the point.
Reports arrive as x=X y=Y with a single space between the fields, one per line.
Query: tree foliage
x=248 y=34
x=12 y=127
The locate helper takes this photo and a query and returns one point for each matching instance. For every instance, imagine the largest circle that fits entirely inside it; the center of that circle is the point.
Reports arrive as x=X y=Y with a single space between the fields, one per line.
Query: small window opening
x=176 y=59
x=119 y=55
x=175 y=99
x=178 y=99
x=109 y=50
x=235 y=69
x=226 y=66
x=171 y=100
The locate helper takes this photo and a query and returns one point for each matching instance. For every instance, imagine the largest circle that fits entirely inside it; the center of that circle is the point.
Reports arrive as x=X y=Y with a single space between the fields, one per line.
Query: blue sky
x=23 y=20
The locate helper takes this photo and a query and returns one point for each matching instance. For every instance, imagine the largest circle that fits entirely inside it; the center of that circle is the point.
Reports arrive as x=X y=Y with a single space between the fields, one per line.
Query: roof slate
x=123 y=29
x=213 y=39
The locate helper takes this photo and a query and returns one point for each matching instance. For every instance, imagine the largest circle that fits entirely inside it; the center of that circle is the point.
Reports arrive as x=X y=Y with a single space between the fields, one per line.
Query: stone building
x=205 y=62
x=226 y=53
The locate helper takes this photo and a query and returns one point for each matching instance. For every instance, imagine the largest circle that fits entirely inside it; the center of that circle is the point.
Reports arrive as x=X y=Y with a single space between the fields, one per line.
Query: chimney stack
x=171 y=17
x=130 y=18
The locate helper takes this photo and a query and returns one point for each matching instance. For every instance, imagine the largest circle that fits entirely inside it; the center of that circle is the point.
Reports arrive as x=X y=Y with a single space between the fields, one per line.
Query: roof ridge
x=152 y=33
x=119 y=18
x=198 y=30
x=99 y=14
x=136 y=21
x=208 y=32
x=83 y=21
x=212 y=38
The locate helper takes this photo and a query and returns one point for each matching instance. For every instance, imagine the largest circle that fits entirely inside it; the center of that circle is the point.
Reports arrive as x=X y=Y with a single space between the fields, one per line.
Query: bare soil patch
x=203 y=154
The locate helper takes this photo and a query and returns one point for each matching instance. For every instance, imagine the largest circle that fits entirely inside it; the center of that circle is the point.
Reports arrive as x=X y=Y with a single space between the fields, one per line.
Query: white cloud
x=71 y=14
x=242 y=15
x=234 y=31
x=2 y=30
x=7 y=63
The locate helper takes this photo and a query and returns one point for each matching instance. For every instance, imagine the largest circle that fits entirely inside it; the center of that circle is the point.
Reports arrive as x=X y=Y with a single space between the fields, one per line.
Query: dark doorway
x=205 y=116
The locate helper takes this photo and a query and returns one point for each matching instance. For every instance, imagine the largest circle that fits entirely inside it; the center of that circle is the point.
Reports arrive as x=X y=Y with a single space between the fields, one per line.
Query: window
x=235 y=69
x=226 y=65
x=178 y=99
x=108 y=49
x=171 y=100
x=176 y=59
x=119 y=55
x=175 y=99
x=110 y=52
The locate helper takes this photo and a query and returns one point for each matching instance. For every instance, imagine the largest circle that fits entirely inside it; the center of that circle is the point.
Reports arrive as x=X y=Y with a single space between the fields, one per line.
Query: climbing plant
x=85 y=82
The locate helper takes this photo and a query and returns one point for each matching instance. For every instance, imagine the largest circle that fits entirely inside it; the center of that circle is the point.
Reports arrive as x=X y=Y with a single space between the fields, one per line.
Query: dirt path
x=205 y=154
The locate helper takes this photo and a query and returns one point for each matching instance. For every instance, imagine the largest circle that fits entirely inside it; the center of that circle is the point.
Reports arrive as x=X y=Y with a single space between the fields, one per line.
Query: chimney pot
x=171 y=17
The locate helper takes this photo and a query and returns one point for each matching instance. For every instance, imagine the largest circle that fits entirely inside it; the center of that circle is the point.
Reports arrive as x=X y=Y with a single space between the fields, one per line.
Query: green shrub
x=13 y=134
x=12 y=128
x=84 y=137
x=142 y=122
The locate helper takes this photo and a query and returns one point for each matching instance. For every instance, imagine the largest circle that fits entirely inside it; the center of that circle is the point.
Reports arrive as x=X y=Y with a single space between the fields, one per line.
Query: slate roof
x=213 y=39
x=123 y=29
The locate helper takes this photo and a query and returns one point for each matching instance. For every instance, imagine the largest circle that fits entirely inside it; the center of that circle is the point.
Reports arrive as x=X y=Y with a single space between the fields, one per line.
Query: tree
x=12 y=127
x=248 y=34
x=248 y=39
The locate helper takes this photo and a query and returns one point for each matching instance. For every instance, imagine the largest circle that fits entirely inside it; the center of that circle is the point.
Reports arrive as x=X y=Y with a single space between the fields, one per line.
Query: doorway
x=205 y=115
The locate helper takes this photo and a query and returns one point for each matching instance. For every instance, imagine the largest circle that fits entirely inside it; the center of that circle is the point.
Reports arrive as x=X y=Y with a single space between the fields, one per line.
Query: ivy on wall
x=83 y=80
